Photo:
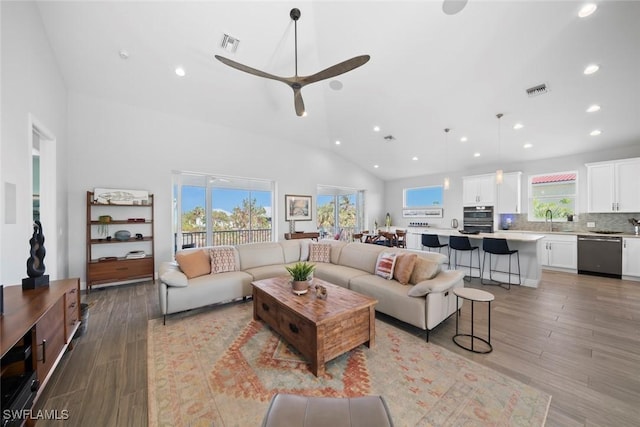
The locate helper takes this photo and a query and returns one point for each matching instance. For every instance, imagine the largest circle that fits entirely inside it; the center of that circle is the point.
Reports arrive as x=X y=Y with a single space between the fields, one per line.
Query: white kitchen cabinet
x=558 y=251
x=631 y=256
x=613 y=186
x=414 y=240
x=509 y=193
x=479 y=190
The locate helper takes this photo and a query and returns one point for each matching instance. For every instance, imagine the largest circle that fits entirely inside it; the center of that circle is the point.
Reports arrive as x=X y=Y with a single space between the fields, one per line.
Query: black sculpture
x=35 y=263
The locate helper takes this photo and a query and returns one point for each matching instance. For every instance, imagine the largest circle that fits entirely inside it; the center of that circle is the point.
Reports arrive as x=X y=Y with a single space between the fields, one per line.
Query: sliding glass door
x=210 y=211
x=340 y=211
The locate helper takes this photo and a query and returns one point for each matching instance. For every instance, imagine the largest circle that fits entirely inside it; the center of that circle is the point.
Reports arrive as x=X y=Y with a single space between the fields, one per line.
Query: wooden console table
x=37 y=324
x=302 y=235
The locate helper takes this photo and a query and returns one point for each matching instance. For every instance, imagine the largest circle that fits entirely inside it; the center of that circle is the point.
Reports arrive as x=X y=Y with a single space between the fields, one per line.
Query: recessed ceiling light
x=376 y=128
x=595 y=132
x=518 y=126
x=476 y=154
x=591 y=69
x=464 y=139
x=587 y=10
x=337 y=142
x=123 y=54
x=593 y=108
x=229 y=43
x=414 y=158
x=180 y=72
x=527 y=145
x=304 y=114
x=376 y=166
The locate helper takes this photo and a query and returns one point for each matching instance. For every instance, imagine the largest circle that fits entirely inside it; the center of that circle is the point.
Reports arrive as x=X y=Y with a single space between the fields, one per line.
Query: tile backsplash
x=603 y=221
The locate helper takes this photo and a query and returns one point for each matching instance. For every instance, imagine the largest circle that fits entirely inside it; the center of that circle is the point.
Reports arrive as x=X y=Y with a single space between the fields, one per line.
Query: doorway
x=42 y=146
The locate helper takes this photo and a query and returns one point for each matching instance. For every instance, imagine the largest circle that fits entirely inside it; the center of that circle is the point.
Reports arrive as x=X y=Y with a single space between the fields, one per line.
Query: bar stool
x=461 y=243
x=432 y=241
x=493 y=246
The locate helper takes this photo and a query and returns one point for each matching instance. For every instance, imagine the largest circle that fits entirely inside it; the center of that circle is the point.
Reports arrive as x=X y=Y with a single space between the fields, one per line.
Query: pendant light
x=499 y=172
x=447 y=183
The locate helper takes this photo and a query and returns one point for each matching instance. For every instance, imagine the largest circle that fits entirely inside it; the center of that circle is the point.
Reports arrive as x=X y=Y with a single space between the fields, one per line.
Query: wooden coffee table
x=319 y=329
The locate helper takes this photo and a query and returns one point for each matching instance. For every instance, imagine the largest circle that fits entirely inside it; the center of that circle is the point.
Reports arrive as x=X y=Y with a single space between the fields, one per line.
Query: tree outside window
x=554 y=192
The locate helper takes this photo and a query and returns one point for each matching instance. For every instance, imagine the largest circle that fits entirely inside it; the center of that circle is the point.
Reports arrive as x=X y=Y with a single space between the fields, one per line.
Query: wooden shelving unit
x=106 y=255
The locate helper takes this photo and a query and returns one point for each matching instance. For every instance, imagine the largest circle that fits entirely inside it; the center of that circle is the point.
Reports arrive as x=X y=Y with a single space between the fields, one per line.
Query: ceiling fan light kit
x=298 y=82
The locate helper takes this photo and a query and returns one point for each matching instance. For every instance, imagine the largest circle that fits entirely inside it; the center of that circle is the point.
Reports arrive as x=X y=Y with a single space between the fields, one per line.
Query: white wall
x=453 y=197
x=118 y=146
x=31 y=84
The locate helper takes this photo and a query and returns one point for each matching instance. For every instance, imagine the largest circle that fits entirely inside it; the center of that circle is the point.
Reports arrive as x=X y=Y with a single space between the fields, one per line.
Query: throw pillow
x=223 y=259
x=194 y=263
x=320 y=252
x=384 y=265
x=404 y=267
x=424 y=270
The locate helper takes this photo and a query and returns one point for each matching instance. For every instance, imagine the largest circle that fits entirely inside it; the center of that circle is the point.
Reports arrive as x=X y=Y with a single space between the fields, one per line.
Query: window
x=210 y=211
x=555 y=192
x=423 y=197
x=339 y=210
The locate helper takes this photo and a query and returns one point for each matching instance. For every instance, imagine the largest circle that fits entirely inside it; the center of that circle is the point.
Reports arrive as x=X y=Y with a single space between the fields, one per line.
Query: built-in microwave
x=478 y=218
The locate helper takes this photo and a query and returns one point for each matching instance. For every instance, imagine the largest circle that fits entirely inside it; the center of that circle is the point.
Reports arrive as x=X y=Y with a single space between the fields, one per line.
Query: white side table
x=474 y=295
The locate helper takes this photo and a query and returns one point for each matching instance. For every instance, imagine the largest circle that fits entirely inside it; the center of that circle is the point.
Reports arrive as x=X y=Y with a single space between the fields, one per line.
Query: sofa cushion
x=424 y=270
x=194 y=263
x=175 y=278
x=362 y=256
x=304 y=249
x=392 y=298
x=223 y=259
x=385 y=264
x=291 y=250
x=320 y=252
x=337 y=274
x=405 y=263
x=267 y=271
x=259 y=254
x=443 y=281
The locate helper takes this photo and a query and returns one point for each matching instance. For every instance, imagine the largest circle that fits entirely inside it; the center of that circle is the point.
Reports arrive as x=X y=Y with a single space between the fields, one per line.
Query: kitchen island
x=525 y=243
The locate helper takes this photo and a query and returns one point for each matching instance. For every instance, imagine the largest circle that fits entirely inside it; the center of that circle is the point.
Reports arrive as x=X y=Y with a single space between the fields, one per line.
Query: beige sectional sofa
x=352 y=265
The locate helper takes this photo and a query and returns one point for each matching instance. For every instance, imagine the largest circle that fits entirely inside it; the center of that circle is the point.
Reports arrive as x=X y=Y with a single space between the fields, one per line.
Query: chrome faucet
x=548 y=216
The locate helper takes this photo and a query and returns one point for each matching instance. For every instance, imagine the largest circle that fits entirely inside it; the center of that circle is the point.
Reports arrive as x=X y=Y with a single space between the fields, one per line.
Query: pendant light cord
x=295 y=23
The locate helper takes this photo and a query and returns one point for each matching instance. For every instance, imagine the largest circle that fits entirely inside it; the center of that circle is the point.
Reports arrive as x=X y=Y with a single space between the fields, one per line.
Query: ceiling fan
x=297 y=82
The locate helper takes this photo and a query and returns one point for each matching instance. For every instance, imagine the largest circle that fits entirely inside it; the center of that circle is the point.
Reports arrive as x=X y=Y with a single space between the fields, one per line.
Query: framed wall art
x=297 y=208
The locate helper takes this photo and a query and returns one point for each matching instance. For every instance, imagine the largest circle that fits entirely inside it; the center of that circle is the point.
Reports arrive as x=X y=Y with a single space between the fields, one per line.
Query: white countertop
x=511 y=235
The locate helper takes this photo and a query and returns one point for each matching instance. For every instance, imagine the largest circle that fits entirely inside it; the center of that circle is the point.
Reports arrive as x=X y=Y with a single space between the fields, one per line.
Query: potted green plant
x=300 y=273
x=103 y=228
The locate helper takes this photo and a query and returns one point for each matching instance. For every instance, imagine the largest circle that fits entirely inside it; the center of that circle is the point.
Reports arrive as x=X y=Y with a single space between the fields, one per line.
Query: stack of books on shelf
x=135 y=255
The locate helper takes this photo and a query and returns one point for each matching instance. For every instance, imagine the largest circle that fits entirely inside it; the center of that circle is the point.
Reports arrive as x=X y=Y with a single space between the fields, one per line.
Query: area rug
x=221 y=368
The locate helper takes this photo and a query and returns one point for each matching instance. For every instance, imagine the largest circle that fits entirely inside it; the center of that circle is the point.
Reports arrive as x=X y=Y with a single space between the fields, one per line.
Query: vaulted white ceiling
x=428 y=71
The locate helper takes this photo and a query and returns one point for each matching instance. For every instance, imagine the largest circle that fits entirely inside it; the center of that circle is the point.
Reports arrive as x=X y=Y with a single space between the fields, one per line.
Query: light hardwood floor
x=576 y=337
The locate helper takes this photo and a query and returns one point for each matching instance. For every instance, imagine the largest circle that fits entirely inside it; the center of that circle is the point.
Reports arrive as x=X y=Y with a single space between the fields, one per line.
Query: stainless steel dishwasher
x=600 y=255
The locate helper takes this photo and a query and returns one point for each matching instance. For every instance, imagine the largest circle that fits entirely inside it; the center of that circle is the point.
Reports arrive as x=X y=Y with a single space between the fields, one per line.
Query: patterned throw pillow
x=194 y=263
x=223 y=259
x=320 y=252
x=404 y=267
x=384 y=265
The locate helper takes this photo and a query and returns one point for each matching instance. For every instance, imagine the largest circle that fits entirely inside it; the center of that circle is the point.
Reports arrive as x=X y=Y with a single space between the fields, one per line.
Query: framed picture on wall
x=297 y=208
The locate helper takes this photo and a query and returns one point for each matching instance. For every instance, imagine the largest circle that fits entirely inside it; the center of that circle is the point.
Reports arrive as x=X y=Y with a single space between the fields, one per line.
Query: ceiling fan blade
x=246 y=69
x=336 y=70
x=299 y=103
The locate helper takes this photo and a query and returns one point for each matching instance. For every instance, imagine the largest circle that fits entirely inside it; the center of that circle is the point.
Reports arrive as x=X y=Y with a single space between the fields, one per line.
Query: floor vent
x=537 y=90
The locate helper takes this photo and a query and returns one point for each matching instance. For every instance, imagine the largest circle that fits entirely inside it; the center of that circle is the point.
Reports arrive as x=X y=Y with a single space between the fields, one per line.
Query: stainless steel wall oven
x=478 y=218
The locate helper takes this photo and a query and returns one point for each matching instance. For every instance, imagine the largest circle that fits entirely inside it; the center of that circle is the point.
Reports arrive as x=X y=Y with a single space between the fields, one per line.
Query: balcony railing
x=196 y=239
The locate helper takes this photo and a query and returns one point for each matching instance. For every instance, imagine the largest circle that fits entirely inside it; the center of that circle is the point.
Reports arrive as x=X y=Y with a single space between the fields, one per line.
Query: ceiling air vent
x=389 y=138
x=229 y=43
x=537 y=90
